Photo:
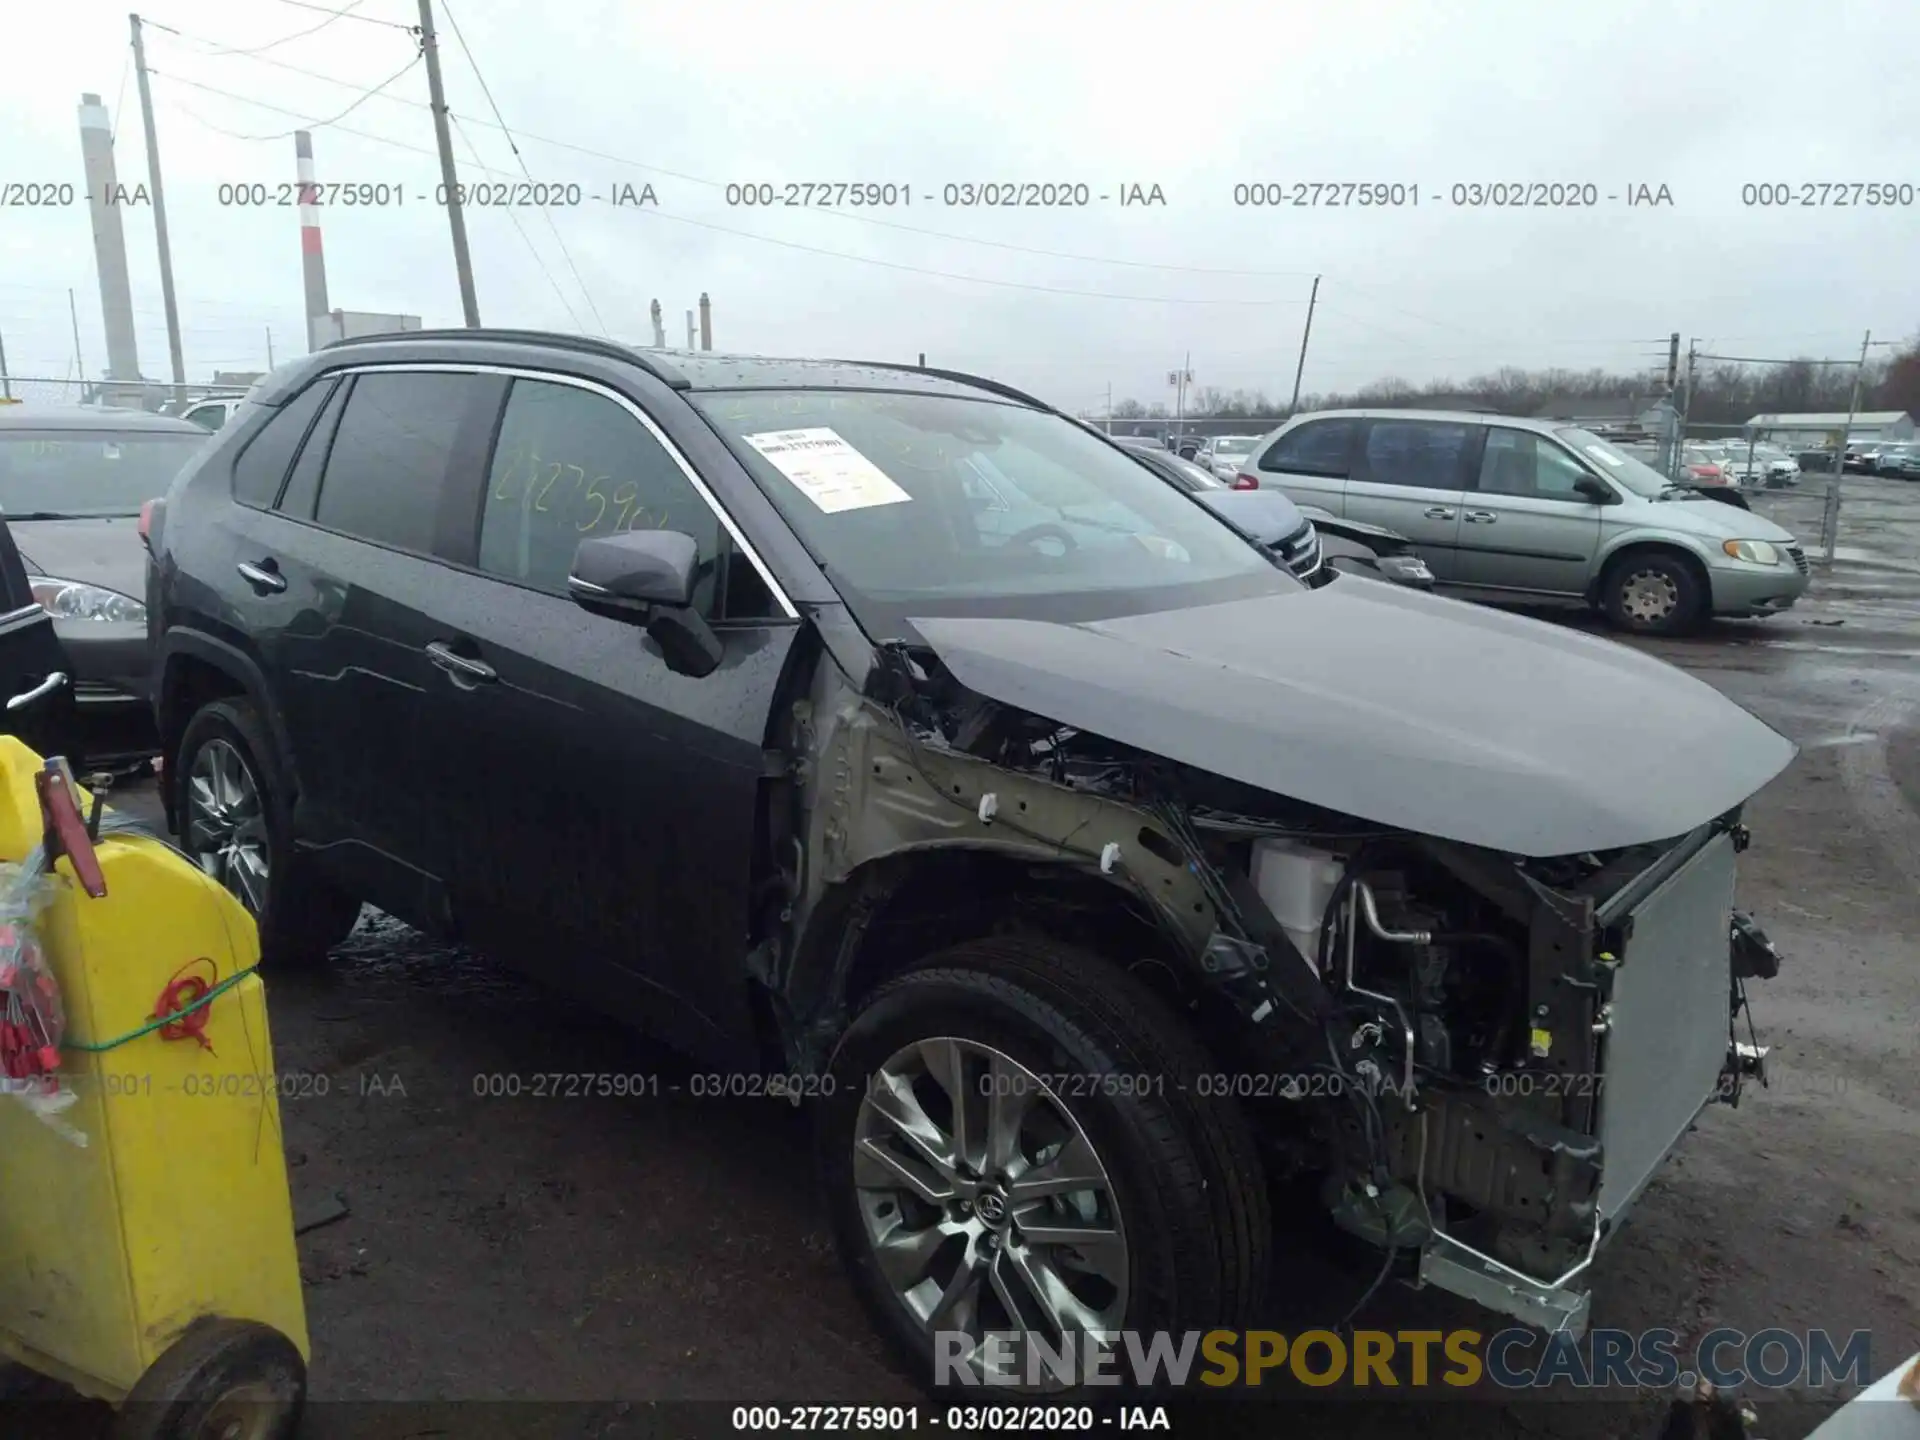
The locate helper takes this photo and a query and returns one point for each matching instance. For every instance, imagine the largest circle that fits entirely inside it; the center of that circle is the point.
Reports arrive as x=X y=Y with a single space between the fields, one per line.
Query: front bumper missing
x=1669 y=1023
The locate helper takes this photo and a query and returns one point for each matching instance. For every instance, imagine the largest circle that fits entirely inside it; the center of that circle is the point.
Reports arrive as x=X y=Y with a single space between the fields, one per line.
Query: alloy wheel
x=226 y=831
x=988 y=1209
x=1649 y=596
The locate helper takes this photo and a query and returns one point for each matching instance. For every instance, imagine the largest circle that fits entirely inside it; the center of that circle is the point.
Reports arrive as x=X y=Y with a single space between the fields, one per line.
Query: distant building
x=1812 y=430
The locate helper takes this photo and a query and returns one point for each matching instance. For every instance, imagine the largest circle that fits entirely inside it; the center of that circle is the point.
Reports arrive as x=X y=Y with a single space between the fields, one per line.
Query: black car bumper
x=110 y=667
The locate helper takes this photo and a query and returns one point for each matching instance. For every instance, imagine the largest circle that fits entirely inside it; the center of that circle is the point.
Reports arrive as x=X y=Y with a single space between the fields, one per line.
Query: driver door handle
x=461 y=669
x=39 y=692
x=1481 y=517
x=266 y=578
x=1438 y=512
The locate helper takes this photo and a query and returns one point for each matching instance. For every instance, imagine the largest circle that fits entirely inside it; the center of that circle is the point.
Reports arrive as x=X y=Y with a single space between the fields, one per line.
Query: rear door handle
x=1481 y=517
x=265 y=578
x=461 y=669
x=45 y=688
x=1438 y=512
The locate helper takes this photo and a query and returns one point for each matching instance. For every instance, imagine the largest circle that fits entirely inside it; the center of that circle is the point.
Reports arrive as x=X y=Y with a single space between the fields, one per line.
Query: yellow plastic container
x=173 y=1220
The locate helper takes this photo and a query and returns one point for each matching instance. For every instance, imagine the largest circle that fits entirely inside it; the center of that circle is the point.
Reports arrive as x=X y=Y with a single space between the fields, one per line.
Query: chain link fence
x=41 y=392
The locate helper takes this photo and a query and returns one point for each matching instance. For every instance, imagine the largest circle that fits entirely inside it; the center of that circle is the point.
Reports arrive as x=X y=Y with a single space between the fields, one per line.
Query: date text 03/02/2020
x=958 y=1419
x=1462 y=195
x=953 y=194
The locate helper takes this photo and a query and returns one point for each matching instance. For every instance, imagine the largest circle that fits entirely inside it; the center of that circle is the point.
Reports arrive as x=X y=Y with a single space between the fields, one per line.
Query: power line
x=867 y=219
x=344 y=14
x=750 y=235
x=311 y=124
x=566 y=254
x=347 y=14
x=119 y=94
x=515 y=218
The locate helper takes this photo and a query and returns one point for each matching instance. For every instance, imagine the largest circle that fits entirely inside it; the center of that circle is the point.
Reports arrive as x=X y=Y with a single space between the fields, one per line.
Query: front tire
x=1016 y=1140
x=235 y=824
x=1653 y=593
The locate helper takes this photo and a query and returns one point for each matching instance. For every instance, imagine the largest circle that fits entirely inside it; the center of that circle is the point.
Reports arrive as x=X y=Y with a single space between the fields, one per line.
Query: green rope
x=96 y=1047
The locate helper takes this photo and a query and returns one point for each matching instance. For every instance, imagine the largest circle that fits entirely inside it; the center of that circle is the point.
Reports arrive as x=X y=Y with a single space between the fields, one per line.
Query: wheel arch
x=1630 y=546
x=192 y=668
x=897 y=908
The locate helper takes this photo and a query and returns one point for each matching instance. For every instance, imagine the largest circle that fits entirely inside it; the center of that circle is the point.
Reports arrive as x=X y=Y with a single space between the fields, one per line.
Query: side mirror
x=647 y=577
x=1595 y=490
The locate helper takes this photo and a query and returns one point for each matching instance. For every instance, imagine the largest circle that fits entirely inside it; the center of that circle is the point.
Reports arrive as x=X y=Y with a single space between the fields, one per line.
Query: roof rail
x=963 y=377
x=583 y=344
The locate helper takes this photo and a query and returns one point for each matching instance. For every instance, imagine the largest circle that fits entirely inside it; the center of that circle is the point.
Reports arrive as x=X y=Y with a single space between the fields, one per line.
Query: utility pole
x=6 y=383
x=269 y=347
x=159 y=204
x=1180 y=379
x=450 y=184
x=1301 y=369
x=1673 y=362
x=73 y=314
x=1830 y=516
x=691 y=337
x=1686 y=408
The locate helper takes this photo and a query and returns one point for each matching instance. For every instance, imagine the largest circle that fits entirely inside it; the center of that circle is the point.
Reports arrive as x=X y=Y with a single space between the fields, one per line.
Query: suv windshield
x=1616 y=464
x=87 y=472
x=935 y=504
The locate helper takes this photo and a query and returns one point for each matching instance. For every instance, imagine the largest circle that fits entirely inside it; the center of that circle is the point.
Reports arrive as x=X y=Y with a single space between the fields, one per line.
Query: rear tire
x=1651 y=592
x=1171 y=1200
x=235 y=823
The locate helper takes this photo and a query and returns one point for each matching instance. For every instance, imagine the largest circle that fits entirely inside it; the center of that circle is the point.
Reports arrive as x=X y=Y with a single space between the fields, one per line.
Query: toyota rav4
x=1093 y=873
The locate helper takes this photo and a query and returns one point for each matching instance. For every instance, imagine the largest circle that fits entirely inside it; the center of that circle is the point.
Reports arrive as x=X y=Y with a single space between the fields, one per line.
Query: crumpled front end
x=1479 y=1056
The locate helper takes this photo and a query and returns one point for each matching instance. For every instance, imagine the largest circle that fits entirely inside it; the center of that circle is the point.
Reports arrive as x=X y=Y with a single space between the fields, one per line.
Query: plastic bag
x=32 y=1019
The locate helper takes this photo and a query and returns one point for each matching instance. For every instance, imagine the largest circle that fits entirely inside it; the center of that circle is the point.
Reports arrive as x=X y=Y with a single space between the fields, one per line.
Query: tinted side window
x=1424 y=454
x=569 y=465
x=1321 y=447
x=303 y=486
x=1518 y=462
x=262 y=464
x=388 y=465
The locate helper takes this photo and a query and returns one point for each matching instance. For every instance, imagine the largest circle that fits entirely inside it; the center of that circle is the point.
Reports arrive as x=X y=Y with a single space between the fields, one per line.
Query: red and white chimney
x=313 y=263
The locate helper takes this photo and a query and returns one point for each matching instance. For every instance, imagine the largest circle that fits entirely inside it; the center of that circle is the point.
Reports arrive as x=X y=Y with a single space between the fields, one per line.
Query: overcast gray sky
x=1196 y=98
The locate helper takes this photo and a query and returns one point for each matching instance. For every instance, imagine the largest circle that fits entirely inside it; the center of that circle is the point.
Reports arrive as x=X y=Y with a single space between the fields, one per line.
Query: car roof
x=92 y=417
x=706 y=370
x=1461 y=417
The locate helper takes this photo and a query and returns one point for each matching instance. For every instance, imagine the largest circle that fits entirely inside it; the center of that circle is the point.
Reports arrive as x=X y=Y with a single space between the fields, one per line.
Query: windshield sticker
x=826 y=469
x=1600 y=453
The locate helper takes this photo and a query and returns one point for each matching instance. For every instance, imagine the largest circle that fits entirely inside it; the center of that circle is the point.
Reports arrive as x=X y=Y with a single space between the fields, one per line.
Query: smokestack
x=313 y=263
x=706 y=322
x=659 y=328
x=109 y=240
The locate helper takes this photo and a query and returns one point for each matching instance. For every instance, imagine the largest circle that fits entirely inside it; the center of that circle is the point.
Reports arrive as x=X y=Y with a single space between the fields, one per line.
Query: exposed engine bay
x=1479 y=1058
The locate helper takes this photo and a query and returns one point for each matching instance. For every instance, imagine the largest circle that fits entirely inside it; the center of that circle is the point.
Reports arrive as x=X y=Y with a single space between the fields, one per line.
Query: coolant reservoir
x=1296 y=881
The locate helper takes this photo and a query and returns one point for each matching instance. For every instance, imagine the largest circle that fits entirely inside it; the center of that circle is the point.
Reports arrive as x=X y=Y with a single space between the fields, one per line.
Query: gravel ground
x=605 y=1250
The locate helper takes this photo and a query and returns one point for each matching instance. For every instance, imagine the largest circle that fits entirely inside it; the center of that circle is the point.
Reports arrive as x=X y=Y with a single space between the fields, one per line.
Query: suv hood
x=1396 y=707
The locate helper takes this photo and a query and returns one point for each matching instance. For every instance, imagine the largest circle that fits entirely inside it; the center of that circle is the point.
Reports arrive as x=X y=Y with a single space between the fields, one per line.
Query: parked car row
x=885 y=726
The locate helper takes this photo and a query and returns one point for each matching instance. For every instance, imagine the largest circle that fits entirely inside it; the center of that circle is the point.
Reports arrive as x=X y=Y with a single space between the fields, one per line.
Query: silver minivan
x=1507 y=508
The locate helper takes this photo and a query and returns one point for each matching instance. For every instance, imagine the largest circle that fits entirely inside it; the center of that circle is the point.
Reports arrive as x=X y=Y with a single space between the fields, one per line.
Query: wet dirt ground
x=664 y=1246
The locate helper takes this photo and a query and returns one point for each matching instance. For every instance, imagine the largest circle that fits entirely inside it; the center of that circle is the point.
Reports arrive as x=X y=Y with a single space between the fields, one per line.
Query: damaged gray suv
x=1092 y=874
